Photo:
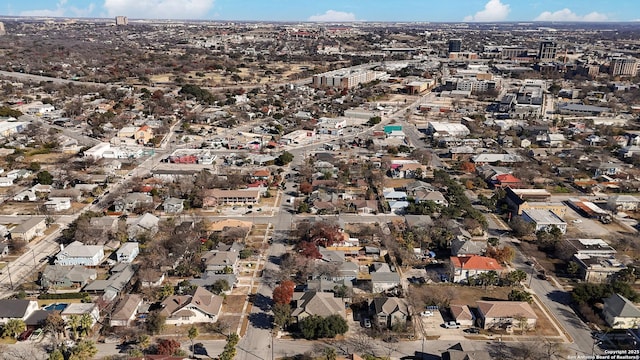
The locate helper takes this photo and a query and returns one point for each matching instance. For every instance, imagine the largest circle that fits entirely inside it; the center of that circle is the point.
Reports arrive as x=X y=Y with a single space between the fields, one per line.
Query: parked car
x=452 y=325
x=472 y=330
x=367 y=323
x=426 y=313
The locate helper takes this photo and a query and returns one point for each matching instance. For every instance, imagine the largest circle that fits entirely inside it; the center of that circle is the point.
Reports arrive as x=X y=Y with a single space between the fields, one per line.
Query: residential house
x=146 y=223
x=620 y=313
x=78 y=253
x=131 y=201
x=27 y=230
x=143 y=135
x=106 y=224
x=490 y=158
x=312 y=303
x=623 y=203
x=463 y=246
x=56 y=204
x=506 y=180
x=544 y=220
x=435 y=196
x=173 y=205
x=151 y=278
x=506 y=315
x=80 y=309
x=389 y=311
x=364 y=207
x=201 y=307
x=127 y=252
x=462 y=315
x=57 y=276
x=465 y=352
x=391 y=194
x=465 y=267
x=384 y=280
x=216 y=197
x=6 y=181
x=221 y=262
x=126 y=310
x=16 y=309
x=26 y=195
x=597 y=269
x=4 y=249
x=118 y=281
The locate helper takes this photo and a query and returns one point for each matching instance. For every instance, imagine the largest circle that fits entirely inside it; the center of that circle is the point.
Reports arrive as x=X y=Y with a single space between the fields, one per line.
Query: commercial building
x=122 y=20
x=544 y=220
x=625 y=66
x=455 y=45
x=547 y=50
x=345 y=78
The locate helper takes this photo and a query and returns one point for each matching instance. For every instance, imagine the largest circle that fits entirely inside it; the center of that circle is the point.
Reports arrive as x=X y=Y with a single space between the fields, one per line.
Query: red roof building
x=504 y=180
x=465 y=267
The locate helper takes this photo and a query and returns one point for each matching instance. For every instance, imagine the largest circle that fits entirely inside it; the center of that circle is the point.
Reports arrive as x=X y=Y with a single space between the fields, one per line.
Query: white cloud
x=60 y=11
x=334 y=16
x=494 y=10
x=568 y=15
x=159 y=9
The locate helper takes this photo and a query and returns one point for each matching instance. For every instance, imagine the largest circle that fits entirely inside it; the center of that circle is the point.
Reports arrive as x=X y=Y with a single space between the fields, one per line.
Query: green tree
x=229 y=351
x=74 y=323
x=573 y=268
x=84 y=350
x=56 y=355
x=192 y=334
x=220 y=286
x=156 y=322
x=284 y=158
x=315 y=327
x=13 y=328
x=281 y=315
x=520 y=295
x=86 y=323
x=54 y=324
x=44 y=178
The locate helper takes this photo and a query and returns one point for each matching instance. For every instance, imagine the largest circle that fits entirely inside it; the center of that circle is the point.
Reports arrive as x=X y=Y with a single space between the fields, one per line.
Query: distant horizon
x=335 y=11
x=112 y=18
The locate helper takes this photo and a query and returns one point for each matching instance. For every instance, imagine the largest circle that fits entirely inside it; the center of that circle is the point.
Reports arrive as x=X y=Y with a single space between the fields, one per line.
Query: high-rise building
x=547 y=50
x=455 y=45
x=625 y=66
x=122 y=20
x=2 y=30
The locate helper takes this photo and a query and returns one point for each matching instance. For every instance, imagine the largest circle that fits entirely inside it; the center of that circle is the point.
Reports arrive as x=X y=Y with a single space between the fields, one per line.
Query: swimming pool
x=55 y=307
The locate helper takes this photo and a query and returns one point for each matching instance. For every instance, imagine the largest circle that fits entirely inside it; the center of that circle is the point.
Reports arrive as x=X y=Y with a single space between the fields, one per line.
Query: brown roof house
x=125 y=312
x=463 y=315
x=316 y=303
x=201 y=307
x=506 y=315
x=389 y=311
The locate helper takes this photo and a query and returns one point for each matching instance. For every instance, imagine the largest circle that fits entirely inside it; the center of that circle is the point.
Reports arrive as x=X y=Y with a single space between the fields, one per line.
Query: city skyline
x=336 y=11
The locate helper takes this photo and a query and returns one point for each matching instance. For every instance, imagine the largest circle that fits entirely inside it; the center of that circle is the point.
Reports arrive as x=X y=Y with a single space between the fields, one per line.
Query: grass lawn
x=233 y=304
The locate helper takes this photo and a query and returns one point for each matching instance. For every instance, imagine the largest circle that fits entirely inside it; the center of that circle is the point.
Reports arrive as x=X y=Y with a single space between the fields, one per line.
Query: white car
x=577 y=221
x=426 y=313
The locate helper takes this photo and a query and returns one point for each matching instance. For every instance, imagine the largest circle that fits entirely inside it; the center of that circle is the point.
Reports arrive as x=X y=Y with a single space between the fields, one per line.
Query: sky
x=335 y=10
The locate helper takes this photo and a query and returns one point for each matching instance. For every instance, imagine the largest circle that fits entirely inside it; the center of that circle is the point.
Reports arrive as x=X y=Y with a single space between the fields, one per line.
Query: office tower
x=2 y=30
x=122 y=20
x=455 y=45
x=547 y=50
